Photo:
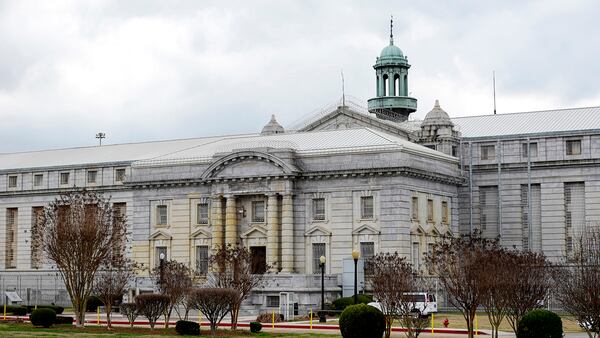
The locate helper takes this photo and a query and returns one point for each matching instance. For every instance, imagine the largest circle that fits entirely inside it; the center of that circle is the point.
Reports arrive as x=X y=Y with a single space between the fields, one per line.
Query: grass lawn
x=457 y=321
x=27 y=330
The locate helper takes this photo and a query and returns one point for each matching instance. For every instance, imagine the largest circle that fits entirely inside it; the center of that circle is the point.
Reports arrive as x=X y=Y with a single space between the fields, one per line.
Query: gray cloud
x=141 y=70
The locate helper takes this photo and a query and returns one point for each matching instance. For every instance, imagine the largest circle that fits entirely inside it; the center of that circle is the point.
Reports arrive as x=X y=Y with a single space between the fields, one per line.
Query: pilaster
x=217 y=221
x=231 y=234
x=287 y=234
x=273 y=233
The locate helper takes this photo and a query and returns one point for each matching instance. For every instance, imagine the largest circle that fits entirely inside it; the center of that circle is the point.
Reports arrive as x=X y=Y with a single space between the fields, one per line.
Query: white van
x=424 y=303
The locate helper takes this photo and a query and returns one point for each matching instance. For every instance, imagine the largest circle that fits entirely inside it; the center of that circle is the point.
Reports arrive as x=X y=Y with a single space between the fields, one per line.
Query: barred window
x=415 y=208
x=416 y=259
x=367 y=252
x=445 y=212
x=11 y=238
x=429 y=210
x=533 y=149
x=318 y=250
x=202 y=213
x=318 y=207
x=488 y=152
x=12 y=181
x=119 y=175
x=366 y=207
x=573 y=147
x=91 y=176
x=158 y=251
x=64 y=178
x=38 y=180
x=272 y=301
x=162 y=215
x=202 y=259
x=258 y=211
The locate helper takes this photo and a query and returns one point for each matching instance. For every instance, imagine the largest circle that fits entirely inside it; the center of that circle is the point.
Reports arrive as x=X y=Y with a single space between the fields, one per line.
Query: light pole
x=322 y=313
x=161 y=266
x=355 y=256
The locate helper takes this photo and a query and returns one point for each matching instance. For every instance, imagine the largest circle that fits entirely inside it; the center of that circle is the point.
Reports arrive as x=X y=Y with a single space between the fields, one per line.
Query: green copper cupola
x=392 y=101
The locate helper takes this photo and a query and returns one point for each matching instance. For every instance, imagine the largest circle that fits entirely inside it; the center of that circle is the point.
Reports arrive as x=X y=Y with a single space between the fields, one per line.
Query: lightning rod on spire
x=391 y=29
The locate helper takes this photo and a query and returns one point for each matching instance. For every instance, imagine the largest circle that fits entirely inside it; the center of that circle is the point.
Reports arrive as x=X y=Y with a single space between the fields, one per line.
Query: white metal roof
x=202 y=149
x=527 y=123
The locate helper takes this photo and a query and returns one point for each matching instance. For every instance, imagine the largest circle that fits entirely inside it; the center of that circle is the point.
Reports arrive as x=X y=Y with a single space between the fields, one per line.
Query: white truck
x=423 y=303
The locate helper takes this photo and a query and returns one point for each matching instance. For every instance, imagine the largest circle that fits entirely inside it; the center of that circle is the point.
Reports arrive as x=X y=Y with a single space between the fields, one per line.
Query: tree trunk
x=108 y=309
x=388 y=326
x=79 y=309
x=213 y=329
x=167 y=317
x=470 y=327
x=235 y=310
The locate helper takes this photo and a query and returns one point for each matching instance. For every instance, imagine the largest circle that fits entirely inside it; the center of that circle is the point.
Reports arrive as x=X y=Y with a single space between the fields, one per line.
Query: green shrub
x=540 y=324
x=58 y=309
x=184 y=327
x=17 y=310
x=341 y=303
x=92 y=304
x=61 y=320
x=255 y=327
x=42 y=317
x=362 y=321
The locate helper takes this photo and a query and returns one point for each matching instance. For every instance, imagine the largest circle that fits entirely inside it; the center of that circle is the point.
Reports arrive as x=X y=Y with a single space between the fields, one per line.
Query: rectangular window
x=318 y=208
x=531 y=234
x=36 y=246
x=367 y=252
x=64 y=178
x=160 y=250
x=91 y=176
x=258 y=211
x=202 y=259
x=430 y=210
x=488 y=152
x=318 y=250
x=488 y=210
x=259 y=259
x=366 y=207
x=202 y=213
x=162 y=215
x=38 y=180
x=415 y=208
x=272 y=301
x=416 y=259
x=119 y=175
x=11 y=238
x=445 y=212
x=12 y=181
x=574 y=212
x=533 y=149
x=573 y=147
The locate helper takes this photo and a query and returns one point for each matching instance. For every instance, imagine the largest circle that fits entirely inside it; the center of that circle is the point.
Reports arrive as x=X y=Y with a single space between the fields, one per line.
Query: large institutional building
x=348 y=178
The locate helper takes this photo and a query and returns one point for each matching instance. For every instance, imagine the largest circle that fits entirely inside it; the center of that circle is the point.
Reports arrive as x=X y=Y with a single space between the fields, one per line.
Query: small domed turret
x=273 y=127
x=437 y=116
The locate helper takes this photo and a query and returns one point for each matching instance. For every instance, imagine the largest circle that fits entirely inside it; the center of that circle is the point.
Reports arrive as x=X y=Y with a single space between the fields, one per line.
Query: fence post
x=311 y=314
x=432 y=323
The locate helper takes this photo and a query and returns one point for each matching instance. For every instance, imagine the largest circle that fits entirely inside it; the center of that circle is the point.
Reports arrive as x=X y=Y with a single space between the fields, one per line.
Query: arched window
x=405 y=89
x=396 y=85
x=386 y=85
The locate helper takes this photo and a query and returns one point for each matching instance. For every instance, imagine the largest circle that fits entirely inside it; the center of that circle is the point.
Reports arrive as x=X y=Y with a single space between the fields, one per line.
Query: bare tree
x=79 y=233
x=130 y=311
x=152 y=306
x=214 y=303
x=495 y=288
x=112 y=281
x=529 y=281
x=233 y=270
x=174 y=280
x=577 y=282
x=459 y=263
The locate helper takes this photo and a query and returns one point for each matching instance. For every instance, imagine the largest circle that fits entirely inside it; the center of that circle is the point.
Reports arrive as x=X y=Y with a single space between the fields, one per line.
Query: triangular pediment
x=317 y=230
x=366 y=229
x=160 y=234
x=417 y=229
x=201 y=233
x=255 y=231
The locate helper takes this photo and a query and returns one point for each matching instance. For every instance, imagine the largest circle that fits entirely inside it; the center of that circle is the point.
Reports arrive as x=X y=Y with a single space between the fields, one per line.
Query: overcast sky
x=149 y=70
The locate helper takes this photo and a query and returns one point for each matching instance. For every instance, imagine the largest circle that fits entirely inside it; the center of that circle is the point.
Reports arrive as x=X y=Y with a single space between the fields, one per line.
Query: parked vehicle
x=424 y=304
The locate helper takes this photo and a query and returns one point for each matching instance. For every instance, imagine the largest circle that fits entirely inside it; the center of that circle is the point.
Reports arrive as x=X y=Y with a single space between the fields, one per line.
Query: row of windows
x=430 y=211
x=366 y=208
x=367 y=251
x=488 y=151
x=65 y=178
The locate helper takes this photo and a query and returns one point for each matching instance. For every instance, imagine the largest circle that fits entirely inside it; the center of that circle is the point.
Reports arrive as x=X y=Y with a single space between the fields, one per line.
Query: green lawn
x=27 y=330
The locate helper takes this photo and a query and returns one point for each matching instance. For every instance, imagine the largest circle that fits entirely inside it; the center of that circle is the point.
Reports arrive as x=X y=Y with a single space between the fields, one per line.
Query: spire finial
x=391 y=29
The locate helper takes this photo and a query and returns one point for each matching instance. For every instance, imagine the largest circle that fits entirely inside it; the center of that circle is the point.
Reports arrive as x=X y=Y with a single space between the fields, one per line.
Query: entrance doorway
x=259 y=259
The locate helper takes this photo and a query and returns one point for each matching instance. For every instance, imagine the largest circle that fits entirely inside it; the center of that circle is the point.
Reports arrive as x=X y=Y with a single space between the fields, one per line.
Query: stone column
x=230 y=221
x=217 y=221
x=287 y=234
x=273 y=233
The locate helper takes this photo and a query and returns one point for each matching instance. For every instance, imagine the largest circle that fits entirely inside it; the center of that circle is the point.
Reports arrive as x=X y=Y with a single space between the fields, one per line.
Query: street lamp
x=161 y=265
x=355 y=256
x=322 y=313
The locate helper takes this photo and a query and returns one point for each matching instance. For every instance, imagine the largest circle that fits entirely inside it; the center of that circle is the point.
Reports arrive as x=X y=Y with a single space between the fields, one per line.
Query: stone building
x=348 y=178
